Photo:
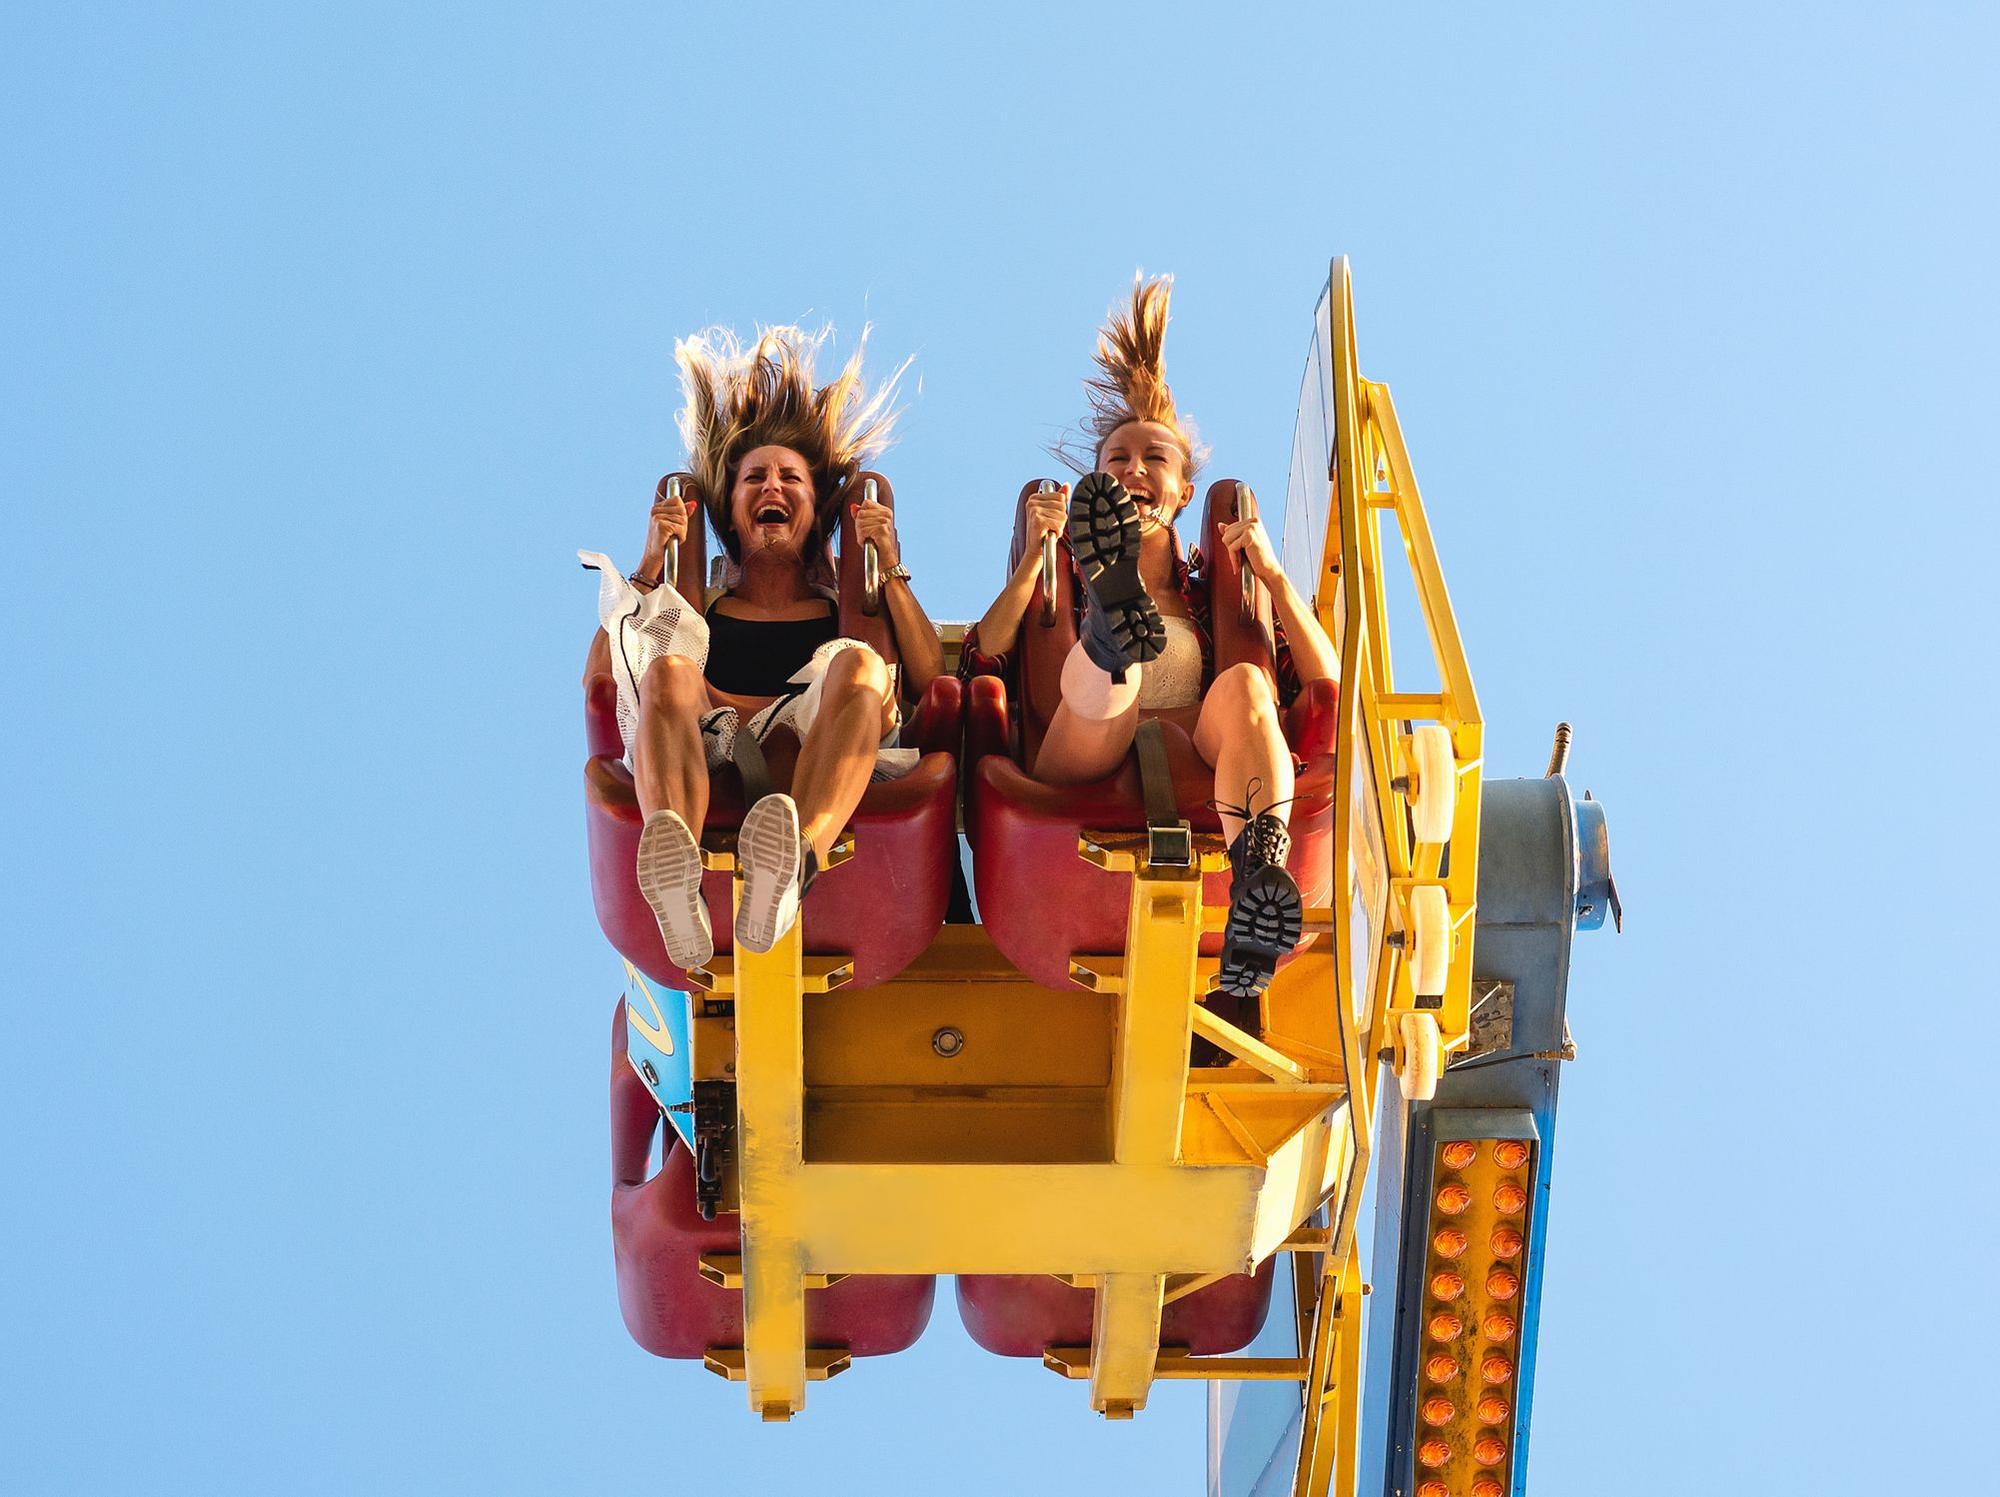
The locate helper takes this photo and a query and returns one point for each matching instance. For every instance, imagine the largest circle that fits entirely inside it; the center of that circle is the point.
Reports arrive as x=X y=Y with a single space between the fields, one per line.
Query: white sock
x=1089 y=691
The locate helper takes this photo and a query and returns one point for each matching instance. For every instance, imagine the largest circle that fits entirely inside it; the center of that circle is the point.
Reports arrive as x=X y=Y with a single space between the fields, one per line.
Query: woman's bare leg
x=670 y=775
x=1239 y=732
x=1092 y=730
x=669 y=764
x=837 y=758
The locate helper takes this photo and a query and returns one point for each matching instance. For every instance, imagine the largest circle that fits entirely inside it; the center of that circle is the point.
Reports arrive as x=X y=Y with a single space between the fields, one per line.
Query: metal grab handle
x=672 y=575
x=1048 y=486
x=1246 y=509
x=871 y=563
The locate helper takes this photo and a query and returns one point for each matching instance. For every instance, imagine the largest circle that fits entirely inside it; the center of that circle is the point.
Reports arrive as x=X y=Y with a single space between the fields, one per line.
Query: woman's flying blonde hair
x=1131 y=382
x=738 y=398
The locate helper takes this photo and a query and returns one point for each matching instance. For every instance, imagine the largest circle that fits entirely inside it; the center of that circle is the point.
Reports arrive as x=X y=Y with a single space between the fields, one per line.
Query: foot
x=1121 y=623
x=1266 y=912
x=777 y=863
x=670 y=878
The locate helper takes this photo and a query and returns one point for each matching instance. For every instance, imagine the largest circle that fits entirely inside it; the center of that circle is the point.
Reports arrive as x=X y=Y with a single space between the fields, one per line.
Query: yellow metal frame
x=1065 y=1133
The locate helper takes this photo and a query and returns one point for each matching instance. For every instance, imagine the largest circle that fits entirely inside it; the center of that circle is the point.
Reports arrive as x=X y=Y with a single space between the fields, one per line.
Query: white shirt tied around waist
x=643 y=626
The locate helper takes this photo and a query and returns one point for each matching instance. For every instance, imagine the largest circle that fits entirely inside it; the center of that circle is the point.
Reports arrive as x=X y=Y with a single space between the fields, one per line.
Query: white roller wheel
x=1433 y=783
x=1429 y=943
x=1423 y=1058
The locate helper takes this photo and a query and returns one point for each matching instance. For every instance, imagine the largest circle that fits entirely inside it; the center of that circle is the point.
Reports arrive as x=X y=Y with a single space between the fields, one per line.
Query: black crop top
x=759 y=657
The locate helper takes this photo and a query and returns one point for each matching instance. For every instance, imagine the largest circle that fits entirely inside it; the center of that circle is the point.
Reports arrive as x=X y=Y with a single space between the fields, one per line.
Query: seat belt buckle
x=1170 y=846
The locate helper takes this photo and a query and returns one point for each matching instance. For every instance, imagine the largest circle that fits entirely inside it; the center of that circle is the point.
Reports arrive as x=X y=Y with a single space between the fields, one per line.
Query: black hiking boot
x=1121 y=623
x=1266 y=912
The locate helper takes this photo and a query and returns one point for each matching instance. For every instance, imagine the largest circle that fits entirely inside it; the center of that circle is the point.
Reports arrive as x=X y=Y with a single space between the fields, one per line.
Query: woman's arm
x=916 y=637
x=1000 y=626
x=1313 y=654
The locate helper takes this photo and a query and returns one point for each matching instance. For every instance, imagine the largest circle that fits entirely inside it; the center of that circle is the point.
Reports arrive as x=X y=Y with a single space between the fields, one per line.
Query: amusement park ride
x=1131 y=1177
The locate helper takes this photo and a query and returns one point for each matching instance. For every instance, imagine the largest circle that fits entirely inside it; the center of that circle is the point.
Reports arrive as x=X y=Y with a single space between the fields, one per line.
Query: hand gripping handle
x=1048 y=486
x=1246 y=509
x=871 y=563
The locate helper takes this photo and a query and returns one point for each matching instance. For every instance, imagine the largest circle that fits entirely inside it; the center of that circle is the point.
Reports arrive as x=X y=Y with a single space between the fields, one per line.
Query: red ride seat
x=658 y=1238
x=885 y=904
x=1041 y=902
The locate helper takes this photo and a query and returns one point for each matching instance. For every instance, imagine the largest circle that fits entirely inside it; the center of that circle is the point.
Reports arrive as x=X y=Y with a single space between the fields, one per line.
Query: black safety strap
x=752 y=766
x=1169 y=839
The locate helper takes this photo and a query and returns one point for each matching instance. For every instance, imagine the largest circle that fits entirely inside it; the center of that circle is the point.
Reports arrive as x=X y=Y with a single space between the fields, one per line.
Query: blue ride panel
x=656 y=1037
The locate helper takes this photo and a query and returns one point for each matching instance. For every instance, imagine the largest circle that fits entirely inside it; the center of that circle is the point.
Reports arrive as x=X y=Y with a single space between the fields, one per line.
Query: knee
x=1246 y=691
x=673 y=684
x=858 y=670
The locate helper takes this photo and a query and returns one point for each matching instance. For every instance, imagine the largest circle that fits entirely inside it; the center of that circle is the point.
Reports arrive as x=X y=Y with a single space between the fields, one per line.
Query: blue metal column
x=1544 y=873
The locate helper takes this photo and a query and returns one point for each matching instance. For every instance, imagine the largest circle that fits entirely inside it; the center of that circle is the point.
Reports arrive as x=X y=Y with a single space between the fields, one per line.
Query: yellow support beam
x=1074 y=1362
x=1149 y=1060
x=770 y=1157
x=1028 y=1218
x=1247 y=1047
x=1124 y=1342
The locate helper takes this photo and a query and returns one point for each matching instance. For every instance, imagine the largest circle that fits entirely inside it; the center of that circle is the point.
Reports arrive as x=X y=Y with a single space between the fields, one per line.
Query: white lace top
x=1174 y=679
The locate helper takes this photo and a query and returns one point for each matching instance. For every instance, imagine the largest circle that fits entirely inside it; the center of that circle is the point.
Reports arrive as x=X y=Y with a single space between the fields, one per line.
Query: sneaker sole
x=767 y=850
x=1104 y=534
x=1266 y=918
x=669 y=869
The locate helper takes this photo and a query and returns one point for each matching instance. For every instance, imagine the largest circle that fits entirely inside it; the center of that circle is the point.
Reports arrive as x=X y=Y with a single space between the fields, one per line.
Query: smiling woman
x=773 y=456
x=1144 y=646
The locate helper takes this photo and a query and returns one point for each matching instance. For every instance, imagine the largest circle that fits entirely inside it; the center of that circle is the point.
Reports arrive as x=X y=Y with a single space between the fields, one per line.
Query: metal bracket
x=822 y=1362
x=1492 y=1019
x=725 y=1271
x=714 y=1121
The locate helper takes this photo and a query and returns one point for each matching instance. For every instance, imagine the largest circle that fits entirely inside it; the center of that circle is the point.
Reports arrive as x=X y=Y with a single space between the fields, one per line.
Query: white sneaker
x=772 y=855
x=670 y=878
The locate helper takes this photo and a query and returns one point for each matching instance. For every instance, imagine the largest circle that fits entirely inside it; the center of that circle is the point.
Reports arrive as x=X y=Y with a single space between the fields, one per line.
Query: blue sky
x=331 y=331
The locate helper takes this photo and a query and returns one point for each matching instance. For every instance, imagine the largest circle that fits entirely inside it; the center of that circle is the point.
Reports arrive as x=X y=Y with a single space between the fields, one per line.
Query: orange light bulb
x=1445 y=1326
x=1449 y=1242
x=1486 y=1486
x=1496 y=1369
x=1438 y=1410
x=1488 y=1450
x=1510 y=1198
x=1510 y=1154
x=1506 y=1243
x=1440 y=1368
x=1447 y=1285
x=1499 y=1326
x=1458 y=1155
x=1433 y=1489
x=1453 y=1198
x=1503 y=1283
x=1492 y=1409
x=1433 y=1453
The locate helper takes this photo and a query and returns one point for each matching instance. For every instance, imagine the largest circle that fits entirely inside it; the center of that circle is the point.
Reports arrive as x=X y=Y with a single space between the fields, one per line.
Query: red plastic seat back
x=1238 y=638
x=658 y=1237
